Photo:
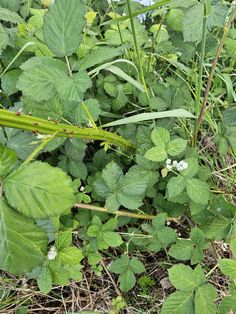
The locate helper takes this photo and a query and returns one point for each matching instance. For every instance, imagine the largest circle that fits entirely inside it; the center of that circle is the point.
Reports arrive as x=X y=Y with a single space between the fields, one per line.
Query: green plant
x=112 y=156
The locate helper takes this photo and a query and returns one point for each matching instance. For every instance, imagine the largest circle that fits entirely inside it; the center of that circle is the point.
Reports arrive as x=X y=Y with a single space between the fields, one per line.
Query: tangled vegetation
x=118 y=156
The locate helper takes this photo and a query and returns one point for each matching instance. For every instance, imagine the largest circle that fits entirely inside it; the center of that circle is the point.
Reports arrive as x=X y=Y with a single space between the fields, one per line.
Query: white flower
x=169 y=167
x=82 y=189
x=175 y=163
x=168 y=161
x=52 y=253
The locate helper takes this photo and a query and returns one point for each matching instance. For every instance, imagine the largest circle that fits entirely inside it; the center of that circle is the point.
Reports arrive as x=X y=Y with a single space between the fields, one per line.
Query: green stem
x=200 y=74
x=141 y=73
x=117 y=213
x=37 y=125
x=39 y=148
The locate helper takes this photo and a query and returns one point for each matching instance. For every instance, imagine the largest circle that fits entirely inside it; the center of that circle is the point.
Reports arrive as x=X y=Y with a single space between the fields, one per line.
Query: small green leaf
x=45 y=281
x=119 y=265
x=182 y=278
x=192 y=169
x=127 y=280
x=198 y=191
x=112 y=239
x=9 y=16
x=71 y=255
x=228 y=267
x=136 y=266
x=157 y=153
x=63 y=26
x=182 y=250
x=176 y=146
x=7 y=160
x=175 y=186
x=73 y=88
x=160 y=135
x=63 y=239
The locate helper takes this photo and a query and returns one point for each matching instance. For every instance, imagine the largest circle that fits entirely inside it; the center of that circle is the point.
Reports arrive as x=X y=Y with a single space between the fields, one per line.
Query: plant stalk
x=37 y=125
x=117 y=213
x=141 y=73
x=212 y=73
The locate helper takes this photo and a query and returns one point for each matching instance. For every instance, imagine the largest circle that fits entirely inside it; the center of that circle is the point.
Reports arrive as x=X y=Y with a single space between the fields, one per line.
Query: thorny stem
x=118 y=212
x=37 y=125
x=212 y=73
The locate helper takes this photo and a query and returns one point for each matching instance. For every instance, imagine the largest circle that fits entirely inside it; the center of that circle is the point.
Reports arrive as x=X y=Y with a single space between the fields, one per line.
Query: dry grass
x=95 y=293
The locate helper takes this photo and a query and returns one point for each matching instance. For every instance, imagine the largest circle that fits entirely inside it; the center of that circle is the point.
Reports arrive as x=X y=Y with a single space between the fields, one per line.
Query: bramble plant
x=117 y=143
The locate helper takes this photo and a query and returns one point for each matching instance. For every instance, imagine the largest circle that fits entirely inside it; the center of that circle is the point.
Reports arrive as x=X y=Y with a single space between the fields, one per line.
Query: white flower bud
x=168 y=161
x=52 y=253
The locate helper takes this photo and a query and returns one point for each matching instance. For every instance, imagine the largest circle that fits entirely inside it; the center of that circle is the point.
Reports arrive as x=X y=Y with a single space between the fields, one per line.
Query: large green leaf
x=204 y=300
x=193 y=23
x=64 y=23
x=38 y=190
x=22 y=244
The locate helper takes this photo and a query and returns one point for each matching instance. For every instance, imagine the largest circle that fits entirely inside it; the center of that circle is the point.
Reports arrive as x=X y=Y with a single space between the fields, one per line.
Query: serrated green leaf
x=73 y=88
x=157 y=153
x=198 y=191
x=192 y=169
x=180 y=302
x=112 y=239
x=228 y=304
x=38 y=190
x=127 y=280
x=45 y=280
x=160 y=135
x=9 y=16
x=182 y=250
x=7 y=160
x=193 y=22
x=9 y=81
x=38 y=83
x=176 y=146
x=204 y=300
x=136 y=266
x=120 y=265
x=182 y=278
x=90 y=106
x=20 y=237
x=63 y=26
x=175 y=186
x=63 y=239
x=71 y=255
x=228 y=267
x=117 y=189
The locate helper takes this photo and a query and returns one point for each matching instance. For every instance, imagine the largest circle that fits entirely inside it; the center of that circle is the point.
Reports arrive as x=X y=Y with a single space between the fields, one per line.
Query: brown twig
x=212 y=73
